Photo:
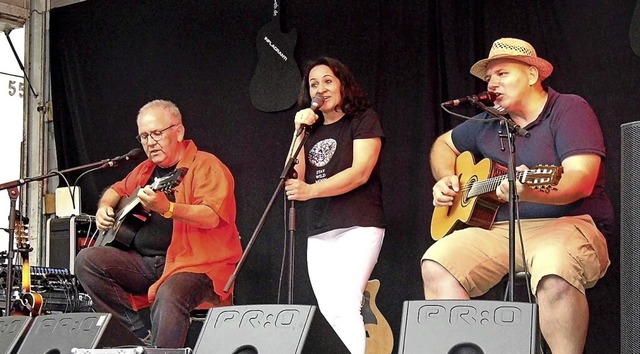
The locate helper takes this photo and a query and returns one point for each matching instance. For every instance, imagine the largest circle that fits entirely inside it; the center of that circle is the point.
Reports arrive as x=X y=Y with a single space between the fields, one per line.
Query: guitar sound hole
x=464 y=198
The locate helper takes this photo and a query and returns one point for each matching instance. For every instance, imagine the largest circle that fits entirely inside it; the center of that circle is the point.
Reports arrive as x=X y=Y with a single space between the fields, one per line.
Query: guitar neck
x=488 y=185
x=26 y=273
x=129 y=204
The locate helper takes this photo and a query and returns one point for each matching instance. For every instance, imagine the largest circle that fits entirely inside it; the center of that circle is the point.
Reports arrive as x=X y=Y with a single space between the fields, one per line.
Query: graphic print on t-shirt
x=320 y=155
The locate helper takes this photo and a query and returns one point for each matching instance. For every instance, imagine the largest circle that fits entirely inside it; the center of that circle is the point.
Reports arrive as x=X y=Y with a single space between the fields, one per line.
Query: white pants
x=340 y=263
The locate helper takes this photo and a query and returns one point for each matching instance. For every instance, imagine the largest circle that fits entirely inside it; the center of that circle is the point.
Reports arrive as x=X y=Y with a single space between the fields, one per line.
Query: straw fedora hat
x=516 y=49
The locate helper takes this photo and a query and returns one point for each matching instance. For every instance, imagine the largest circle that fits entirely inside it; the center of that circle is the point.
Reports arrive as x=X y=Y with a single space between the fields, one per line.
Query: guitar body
x=475 y=211
x=276 y=81
x=128 y=223
x=476 y=204
x=29 y=304
x=131 y=215
x=379 y=334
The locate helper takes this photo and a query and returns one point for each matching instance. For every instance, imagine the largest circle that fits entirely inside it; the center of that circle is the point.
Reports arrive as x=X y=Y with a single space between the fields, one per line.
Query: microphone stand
x=287 y=172
x=292 y=241
x=12 y=188
x=512 y=130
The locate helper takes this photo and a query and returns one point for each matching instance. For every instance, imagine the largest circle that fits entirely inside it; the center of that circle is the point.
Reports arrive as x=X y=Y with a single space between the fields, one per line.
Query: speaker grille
x=630 y=238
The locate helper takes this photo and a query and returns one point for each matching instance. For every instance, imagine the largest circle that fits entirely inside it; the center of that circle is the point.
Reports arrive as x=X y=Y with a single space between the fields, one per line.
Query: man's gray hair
x=165 y=105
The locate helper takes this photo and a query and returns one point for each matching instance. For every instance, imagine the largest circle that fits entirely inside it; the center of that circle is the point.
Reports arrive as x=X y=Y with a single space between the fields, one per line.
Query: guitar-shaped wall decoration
x=379 y=334
x=477 y=204
x=276 y=81
x=634 y=30
x=130 y=215
x=28 y=303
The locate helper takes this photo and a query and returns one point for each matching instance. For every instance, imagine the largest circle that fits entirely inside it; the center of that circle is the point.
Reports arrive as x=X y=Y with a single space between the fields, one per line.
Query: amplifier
x=63 y=237
x=136 y=350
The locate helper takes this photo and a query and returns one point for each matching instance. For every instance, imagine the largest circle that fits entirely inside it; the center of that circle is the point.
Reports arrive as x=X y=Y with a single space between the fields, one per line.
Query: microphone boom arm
x=516 y=129
x=26 y=180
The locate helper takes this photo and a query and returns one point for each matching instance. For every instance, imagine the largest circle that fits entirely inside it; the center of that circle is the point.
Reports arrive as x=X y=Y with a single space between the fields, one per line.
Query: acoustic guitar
x=477 y=204
x=130 y=215
x=28 y=303
x=379 y=334
x=276 y=81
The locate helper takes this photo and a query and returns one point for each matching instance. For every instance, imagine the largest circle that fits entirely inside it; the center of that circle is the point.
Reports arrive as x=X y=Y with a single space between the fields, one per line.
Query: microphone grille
x=317 y=102
x=489 y=96
x=135 y=154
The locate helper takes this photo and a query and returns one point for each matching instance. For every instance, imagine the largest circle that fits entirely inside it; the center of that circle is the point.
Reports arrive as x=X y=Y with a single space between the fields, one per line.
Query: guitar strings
x=494 y=181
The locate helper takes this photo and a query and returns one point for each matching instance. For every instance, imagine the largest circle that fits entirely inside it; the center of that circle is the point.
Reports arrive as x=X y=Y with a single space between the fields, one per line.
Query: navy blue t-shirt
x=566 y=126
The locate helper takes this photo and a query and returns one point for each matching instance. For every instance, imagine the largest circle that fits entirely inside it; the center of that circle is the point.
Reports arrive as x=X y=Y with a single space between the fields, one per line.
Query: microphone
x=316 y=103
x=134 y=154
x=482 y=96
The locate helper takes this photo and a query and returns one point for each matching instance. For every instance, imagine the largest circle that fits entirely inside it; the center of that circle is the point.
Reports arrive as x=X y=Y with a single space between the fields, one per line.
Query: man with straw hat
x=563 y=229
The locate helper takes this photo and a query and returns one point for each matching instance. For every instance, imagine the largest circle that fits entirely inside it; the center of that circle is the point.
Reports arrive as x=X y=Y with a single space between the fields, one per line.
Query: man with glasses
x=187 y=248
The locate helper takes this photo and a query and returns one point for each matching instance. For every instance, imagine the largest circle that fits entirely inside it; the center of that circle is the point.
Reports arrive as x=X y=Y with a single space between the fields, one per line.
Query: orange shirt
x=213 y=251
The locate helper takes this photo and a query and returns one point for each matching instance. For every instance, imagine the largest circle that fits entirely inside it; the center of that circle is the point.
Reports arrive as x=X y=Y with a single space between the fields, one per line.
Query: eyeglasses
x=156 y=135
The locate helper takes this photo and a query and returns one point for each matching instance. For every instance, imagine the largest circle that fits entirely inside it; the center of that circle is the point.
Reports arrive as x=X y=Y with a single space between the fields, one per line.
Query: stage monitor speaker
x=264 y=329
x=61 y=333
x=469 y=327
x=630 y=238
x=12 y=332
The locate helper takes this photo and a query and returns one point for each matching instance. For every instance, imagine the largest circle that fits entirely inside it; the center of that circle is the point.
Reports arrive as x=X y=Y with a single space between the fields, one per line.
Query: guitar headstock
x=169 y=182
x=542 y=177
x=21 y=231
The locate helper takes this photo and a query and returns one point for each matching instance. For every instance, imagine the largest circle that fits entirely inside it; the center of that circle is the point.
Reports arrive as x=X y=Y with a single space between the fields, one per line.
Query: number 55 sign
x=16 y=88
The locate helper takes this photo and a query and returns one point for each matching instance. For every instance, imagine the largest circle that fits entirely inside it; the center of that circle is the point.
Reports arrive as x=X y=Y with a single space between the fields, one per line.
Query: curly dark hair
x=354 y=98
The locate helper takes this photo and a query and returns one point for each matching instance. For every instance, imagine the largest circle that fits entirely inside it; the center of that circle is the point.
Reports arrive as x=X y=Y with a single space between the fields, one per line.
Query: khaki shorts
x=570 y=247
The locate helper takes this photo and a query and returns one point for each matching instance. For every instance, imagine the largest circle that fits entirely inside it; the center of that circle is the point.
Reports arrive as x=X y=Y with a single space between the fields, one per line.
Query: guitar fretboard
x=488 y=185
x=541 y=176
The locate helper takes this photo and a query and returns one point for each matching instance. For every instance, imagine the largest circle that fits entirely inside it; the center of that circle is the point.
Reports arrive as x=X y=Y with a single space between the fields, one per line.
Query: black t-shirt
x=154 y=236
x=329 y=150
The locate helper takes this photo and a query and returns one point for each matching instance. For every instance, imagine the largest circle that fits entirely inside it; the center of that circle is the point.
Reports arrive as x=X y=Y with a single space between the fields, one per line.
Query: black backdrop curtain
x=108 y=58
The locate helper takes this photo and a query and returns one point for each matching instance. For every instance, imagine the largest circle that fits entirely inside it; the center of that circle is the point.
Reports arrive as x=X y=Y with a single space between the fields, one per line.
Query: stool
x=521 y=279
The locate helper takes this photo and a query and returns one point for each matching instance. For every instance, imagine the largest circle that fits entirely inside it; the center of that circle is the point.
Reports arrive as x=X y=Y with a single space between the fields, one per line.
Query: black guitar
x=131 y=215
x=276 y=81
x=634 y=30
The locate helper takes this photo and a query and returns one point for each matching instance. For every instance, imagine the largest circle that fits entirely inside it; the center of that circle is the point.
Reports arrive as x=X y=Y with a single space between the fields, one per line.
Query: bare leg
x=440 y=284
x=564 y=315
